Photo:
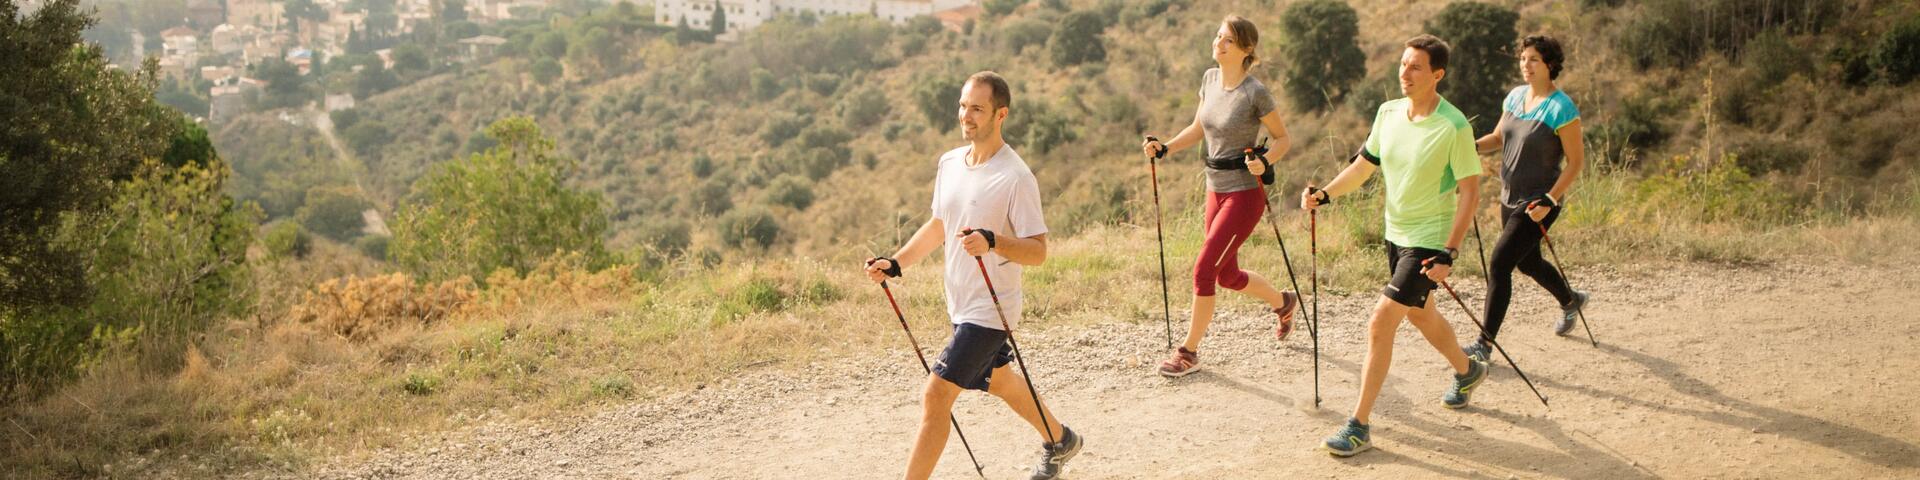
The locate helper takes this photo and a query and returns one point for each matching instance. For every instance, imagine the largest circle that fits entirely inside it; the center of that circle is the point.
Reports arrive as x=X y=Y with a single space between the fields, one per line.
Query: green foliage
x=545 y=71
x=286 y=87
x=1366 y=98
x=702 y=165
x=73 y=124
x=421 y=384
x=507 y=208
x=750 y=227
x=1037 y=127
x=598 y=50
x=668 y=237
x=367 y=138
x=165 y=259
x=1480 y=66
x=1721 y=192
x=791 y=190
x=863 y=107
x=189 y=145
x=1077 y=40
x=1634 y=128
x=334 y=212
x=1017 y=35
x=1322 y=52
x=1001 y=7
x=712 y=197
x=344 y=119
x=285 y=239
x=550 y=45
x=782 y=126
x=373 y=246
x=1677 y=33
x=411 y=59
x=937 y=96
x=1769 y=56
x=718 y=25
x=765 y=86
x=1898 y=53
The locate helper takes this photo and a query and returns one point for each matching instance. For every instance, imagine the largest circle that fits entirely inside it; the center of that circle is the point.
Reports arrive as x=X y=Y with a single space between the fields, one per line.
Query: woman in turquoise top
x=1539 y=130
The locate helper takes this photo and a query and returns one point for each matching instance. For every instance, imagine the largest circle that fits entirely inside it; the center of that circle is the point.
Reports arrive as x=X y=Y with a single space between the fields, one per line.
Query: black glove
x=1444 y=258
x=988 y=234
x=1260 y=152
x=893 y=266
x=1160 y=152
x=1325 y=198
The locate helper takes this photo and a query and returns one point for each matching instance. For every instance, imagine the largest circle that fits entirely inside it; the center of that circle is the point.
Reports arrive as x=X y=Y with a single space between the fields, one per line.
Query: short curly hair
x=1550 y=53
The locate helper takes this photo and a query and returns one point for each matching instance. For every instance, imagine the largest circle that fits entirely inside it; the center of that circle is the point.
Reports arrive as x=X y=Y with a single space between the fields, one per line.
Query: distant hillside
x=830 y=126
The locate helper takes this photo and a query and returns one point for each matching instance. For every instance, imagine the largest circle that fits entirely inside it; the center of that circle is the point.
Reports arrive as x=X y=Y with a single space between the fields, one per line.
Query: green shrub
x=1322 y=53
x=285 y=239
x=1480 y=67
x=1898 y=53
x=1077 y=40
x=373 y=246
x=791 y=190
x=507 y=208
x=750 y=227
x=334 y=212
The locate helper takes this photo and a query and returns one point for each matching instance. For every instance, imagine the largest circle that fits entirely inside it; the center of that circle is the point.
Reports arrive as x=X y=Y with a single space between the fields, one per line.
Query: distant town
x=220 y=42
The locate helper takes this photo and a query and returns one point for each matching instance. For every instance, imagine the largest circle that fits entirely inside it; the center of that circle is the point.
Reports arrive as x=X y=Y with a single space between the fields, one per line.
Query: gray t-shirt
x=1530 y=160
x=1231 y=121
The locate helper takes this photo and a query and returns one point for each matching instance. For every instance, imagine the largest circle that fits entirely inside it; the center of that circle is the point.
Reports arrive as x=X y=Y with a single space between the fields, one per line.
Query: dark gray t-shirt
x=1531 y=156
x=1231 y=121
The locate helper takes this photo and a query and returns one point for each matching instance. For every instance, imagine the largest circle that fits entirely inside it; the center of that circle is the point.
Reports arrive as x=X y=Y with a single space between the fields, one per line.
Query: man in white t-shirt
x=985 y=196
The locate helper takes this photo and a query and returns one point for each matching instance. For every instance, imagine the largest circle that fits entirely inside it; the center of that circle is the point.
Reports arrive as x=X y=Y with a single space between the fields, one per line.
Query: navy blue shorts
x=1409 y=286
x=972 y=355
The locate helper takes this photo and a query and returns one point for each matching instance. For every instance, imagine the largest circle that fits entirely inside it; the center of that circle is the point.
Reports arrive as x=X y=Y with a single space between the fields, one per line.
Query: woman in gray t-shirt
x=1233 y=108
x=1541 y=154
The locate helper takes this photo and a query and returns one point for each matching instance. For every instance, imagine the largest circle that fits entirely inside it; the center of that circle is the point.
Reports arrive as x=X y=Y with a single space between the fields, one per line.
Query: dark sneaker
x=1478 y=351
x=1350 y=440
x=1054 y=456
x=1288 y=304
x=1463 y=384
x=1569 y=313
x=1183 y=362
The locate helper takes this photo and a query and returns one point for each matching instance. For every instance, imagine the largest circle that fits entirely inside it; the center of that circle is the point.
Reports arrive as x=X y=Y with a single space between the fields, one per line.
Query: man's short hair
x=1435 y=47
x=1002 y=96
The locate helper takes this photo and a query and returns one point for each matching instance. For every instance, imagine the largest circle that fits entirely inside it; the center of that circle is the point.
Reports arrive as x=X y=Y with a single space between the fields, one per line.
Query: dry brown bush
x=358 y=308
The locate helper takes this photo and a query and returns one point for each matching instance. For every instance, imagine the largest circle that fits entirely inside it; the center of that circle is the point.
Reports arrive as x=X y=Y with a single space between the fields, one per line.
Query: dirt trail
x=1703 y=371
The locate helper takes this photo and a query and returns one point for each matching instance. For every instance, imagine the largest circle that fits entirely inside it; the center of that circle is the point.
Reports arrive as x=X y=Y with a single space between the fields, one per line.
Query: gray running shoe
x=1569 y=313
x=1053 y=458
x=1478 y=351
x=1463 y=384
x=1351 y=439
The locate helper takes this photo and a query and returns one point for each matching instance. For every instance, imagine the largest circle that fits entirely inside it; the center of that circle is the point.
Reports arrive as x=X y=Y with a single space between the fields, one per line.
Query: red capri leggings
x=1230 y=218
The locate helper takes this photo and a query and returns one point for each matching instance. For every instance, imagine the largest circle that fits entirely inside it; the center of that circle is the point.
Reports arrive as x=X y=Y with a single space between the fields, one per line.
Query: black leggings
x=1519 y=247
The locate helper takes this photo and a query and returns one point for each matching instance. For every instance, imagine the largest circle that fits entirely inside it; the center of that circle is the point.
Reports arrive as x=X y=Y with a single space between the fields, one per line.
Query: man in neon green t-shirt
x=1423 y=148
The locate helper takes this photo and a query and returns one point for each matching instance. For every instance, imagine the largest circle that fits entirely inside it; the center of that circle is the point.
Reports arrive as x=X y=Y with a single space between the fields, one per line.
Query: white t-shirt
x=1001 y=196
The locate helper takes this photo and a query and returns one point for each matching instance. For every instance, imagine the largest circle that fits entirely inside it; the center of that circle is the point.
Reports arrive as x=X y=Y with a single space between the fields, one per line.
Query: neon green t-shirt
x=1421 y=164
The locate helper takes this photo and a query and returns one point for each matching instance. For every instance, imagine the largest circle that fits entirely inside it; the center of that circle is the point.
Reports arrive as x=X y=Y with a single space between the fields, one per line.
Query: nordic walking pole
x=1287 y=259
x=1582 y=311
x=1496 y=345
x=1017 y=357
x=1166 y=304
x=1313 y=278
x=982 y=471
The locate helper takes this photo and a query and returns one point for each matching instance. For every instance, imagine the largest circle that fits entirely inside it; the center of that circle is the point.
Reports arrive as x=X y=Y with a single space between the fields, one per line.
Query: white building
x=747 y=14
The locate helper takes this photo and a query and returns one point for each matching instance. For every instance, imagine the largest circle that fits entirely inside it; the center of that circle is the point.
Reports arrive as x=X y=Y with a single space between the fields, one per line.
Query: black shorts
x=1409 y=286
x=972 y=355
